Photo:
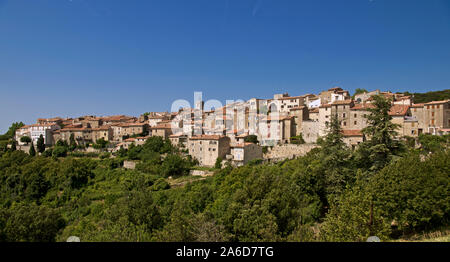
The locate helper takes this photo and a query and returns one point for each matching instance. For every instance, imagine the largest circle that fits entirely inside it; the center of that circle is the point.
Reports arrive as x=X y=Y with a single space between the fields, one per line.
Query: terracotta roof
x=352 y=133
x=297 y=108
x=363 y=106
x=127 y=124
x=314 y=110
x=129 y=139
x=342 y=102
x=417 y=105
x=207 y=137
x=242 y=145
x=445 y=129
x=162 y=126
x=177 y=135
x=398 y=110
x=325 y=105
x=289 y=97
x=437 y=102
x=102 y=128
x=335 y=88
x=116 y=118
x=75 y=129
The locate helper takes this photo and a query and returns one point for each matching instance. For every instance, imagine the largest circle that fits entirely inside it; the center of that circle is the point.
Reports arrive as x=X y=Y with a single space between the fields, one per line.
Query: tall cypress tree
x=40 y=144
x=13 y=145
x=32 y=151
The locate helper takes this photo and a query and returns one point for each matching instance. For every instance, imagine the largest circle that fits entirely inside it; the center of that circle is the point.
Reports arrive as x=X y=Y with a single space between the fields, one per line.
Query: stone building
x=352 y=138
x=245 y=152
x=207 y=148
x=163 y=130
x=104 y=132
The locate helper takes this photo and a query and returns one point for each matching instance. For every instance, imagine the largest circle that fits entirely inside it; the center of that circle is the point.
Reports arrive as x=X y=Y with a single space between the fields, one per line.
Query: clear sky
x=76 y=57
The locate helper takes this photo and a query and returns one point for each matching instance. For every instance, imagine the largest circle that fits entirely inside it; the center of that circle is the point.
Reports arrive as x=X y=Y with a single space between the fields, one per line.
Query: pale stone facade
x=245 y=152
x=207 y=148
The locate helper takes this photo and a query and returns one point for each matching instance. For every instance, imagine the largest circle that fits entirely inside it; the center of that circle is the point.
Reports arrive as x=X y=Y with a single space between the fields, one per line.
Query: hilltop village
x=281 y=127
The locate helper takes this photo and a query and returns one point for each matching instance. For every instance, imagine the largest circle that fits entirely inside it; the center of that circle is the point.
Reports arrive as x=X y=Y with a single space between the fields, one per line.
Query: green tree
x=31 y=223
x=218 y=164
x=335 y=159
x=25 y=139
x=72 y=142
x=381 y=147
x=251 y=139
x=355 y=217
x=32 y=151
x=175 y=166
x=13 y=145
x=59 y=151
x=40 y=144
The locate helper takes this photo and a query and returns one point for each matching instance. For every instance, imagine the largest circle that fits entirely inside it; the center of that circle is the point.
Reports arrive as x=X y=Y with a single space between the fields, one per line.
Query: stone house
x=163 y=130
x=353 y=138
x=245 y=152
x=207 y=148
x=300 y=114
x=178 y=140
x=82 y=135
x=104 y=132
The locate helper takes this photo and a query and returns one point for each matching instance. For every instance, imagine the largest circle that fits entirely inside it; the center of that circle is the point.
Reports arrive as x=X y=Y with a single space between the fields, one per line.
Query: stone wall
x=289 y=151
x=129 y=164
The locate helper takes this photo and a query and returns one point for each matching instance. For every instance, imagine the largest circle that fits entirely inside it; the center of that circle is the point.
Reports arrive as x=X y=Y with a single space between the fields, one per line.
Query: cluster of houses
x=208 y=133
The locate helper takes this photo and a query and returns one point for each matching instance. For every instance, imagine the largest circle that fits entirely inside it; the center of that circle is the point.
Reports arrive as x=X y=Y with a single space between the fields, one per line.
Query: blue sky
x=76 y=57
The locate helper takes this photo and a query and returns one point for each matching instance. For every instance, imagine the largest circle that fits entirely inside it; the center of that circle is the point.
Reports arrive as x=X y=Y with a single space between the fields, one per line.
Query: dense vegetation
x=430 y=96
x=382 y=188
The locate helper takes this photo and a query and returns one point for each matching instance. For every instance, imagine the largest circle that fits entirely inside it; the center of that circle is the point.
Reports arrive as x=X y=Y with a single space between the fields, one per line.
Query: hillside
x=430 y=96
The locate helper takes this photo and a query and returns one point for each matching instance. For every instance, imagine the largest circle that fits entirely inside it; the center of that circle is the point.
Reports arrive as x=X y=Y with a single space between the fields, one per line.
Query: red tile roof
x=363 y=106
x=352 y=133
x=437 y=102
x=207 y=137
x=399 y=110
x=342 y=102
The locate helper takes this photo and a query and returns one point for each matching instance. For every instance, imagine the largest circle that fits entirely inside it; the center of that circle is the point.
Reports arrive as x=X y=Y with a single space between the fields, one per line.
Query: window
x=432 y=114
x=355 y=122
x=343 y=115
x=345 y=123
x=432 y=107
x=437 y=106
x=432 y=122
x=355 y=116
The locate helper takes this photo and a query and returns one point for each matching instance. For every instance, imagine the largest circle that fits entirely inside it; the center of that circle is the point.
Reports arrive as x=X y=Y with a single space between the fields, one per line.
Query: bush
x=59 y=151
x=297 y=140
x=218 y=164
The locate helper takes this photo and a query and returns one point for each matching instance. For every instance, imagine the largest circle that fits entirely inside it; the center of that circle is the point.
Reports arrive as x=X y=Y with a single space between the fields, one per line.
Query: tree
x=335 y=159
x=251 y=139
x=12 y=130
x=297 y=140
x=72 y=142
x=59 y=151
x=359 y=91
x=40 y=144
x=175 y=166
x=218 y=164
x=100 y=143
x=32 y=151
x=381 y=147
x=355 y=217
x=31 y=223
x=13 y=145
x=25 y=139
